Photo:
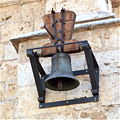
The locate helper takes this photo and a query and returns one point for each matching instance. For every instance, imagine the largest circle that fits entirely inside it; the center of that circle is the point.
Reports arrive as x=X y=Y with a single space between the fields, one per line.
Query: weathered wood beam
x=115 y=3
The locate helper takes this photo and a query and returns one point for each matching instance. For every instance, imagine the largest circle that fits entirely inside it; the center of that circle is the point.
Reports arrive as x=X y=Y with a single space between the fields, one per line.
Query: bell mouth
x=61 y=83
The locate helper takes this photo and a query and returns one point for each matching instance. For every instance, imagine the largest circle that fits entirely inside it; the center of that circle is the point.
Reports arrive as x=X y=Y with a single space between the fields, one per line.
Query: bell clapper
x=60 y=84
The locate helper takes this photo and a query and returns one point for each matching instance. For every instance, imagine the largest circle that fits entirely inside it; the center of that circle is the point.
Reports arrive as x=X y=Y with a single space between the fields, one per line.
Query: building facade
x=21 y=27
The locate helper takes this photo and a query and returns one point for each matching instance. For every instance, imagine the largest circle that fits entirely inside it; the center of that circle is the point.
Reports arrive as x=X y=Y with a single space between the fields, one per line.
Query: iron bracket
x=40 y=75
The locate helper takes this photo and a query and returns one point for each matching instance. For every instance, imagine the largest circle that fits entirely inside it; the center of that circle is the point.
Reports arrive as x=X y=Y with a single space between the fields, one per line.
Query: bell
x=61 y=77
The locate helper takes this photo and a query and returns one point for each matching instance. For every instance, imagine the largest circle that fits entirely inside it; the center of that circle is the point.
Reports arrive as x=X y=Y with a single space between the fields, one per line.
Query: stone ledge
x=96 y=24
x=93 y=16
x=84 y=26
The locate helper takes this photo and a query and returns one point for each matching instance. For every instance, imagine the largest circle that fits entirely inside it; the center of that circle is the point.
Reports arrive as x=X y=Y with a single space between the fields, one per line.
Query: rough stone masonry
x=21 y=27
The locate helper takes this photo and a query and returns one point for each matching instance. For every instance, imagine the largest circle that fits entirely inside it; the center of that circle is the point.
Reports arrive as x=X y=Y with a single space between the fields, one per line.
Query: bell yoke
x=60 y=26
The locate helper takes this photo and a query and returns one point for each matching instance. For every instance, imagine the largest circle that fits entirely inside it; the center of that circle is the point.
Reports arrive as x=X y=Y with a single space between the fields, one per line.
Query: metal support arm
x=93 y=68
x=39 y=80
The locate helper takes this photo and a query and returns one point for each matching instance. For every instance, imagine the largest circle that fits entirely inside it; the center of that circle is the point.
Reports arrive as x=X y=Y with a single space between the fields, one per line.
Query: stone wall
x=18 y=94
x=16 y=17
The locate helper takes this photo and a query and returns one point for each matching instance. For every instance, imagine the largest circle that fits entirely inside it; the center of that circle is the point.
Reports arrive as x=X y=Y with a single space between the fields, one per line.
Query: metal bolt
x=40 y=106
x=95 y=99
x=67 y=102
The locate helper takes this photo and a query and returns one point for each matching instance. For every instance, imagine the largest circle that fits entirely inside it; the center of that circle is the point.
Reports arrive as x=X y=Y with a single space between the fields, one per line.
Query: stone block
x=25 y=100
x=1 y=52
x=28 y=1
x=27 y=96
x=8 y=71
x=78 y=61
x=10 y=52
x=1 y=72
x=25 y=75
x=108 y=62
x=52 y=96
x=38 y=13
x=14 y=2
x=10 y=14
x=28 y=12
x=10 y=89
x=94 y=113
x=105 y=38
x=109 y=90
x=2 y=91
x=30 y=44
x=27 y=103
x=33 y=10
x=7 y=109
x=100 y=113
x=113 y=112
x=8 y=1
x=13 y=29
x=83 y=90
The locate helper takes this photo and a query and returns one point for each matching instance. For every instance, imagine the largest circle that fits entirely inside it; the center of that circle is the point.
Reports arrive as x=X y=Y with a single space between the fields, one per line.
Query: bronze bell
x=61 y=77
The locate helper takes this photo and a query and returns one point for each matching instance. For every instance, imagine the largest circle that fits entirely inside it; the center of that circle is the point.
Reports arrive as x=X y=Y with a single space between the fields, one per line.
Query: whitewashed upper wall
x=79 y=6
